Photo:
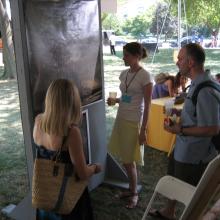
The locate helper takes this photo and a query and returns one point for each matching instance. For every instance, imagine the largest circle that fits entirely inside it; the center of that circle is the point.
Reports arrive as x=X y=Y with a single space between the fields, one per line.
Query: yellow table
x=157 y=137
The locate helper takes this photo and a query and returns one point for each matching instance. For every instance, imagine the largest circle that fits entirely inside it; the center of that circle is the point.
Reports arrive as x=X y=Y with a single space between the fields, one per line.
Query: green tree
x=201 y=12
x=162 y=16
x=111 y=22
x=138 y=26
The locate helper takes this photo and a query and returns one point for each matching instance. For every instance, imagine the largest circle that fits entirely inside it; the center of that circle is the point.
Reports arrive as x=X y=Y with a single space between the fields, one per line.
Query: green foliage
x=121 y=2
x=111 y=22
x=138 y=26
x=205 y=12
x=201 y=12
x=198 y=30
x=162 y=16
x=104 y=15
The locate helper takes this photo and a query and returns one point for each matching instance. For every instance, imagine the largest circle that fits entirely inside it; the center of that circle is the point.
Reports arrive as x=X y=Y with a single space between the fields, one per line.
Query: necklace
x=127 y=84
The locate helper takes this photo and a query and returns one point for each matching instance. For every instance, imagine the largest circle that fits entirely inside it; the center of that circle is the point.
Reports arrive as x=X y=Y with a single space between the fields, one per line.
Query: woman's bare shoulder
x=37 y=132
x=38 y=117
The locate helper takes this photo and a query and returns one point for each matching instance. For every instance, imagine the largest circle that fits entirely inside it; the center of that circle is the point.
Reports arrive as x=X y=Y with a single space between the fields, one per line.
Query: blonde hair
x=62 y=108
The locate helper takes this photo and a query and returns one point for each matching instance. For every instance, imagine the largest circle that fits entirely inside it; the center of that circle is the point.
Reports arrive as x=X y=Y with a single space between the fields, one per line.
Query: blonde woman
x=60 y=119
x=129 y=132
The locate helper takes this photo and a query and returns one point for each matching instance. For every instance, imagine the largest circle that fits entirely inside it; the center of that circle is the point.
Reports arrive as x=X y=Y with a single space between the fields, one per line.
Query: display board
x=59 y=39
x=84 y=128
x=63 y=40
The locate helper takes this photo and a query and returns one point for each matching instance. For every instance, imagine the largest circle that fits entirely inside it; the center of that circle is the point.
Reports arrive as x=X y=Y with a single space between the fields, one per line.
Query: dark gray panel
x=63 y=42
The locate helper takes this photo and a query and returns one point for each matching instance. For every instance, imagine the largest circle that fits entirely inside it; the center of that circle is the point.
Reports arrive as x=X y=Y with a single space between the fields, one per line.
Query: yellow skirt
x=124 y=142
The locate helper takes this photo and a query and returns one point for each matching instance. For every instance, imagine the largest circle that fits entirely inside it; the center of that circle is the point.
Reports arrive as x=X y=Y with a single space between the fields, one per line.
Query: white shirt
x=133 y=111
x=112 y=40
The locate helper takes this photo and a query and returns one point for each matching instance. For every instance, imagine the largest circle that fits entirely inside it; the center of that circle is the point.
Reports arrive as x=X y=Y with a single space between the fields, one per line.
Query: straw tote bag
x=55 y=186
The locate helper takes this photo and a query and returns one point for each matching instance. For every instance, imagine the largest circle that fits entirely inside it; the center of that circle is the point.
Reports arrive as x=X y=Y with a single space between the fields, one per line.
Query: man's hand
x=175 y=128
x=174 y=111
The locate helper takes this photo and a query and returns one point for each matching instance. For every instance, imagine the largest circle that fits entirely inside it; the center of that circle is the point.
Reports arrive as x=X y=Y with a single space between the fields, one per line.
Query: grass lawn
x=13 y=181
x=163 y=61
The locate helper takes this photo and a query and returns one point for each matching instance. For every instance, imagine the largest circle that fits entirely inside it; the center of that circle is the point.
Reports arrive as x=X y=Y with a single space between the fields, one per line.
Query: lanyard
x=129 y=83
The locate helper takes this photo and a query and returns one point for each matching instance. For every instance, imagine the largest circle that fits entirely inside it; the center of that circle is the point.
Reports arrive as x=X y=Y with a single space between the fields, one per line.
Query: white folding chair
x=173 y=189
x=207 y=188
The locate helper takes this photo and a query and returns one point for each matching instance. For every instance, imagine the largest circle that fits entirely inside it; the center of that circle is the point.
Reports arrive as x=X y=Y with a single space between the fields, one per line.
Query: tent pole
x=179 y=23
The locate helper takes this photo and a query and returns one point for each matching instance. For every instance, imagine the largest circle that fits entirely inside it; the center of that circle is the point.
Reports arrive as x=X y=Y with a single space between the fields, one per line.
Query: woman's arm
x=36 y=131
x=147 y=102
x=170 y=87
x=75 y=147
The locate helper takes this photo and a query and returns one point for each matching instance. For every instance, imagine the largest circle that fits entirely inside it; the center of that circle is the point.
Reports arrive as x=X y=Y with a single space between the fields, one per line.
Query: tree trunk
x=8 y=47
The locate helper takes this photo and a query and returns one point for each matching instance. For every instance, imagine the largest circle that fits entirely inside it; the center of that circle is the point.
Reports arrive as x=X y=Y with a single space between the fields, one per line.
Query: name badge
x=126 y=98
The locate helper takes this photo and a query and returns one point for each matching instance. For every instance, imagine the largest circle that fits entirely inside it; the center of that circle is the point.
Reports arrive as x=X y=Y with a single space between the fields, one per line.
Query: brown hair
x=135 y=49
x=196 y=52
x=217 y=76
x=163 y=77
x=177 y=80
x=62 y=107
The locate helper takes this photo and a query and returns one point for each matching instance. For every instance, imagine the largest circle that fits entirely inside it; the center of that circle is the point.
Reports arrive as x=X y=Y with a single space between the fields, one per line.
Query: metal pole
x=161 y=30
x=179 y=23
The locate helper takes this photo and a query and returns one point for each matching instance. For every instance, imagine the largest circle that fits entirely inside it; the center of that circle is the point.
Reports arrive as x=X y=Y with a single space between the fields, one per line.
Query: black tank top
x=42 y=152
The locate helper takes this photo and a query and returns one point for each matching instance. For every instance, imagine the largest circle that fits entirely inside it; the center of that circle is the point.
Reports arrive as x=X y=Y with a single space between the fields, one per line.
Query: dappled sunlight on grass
x=3 y=115
x=13 y=181
x=12 y=157
x=215 y=51
x=111 y=114
x=213 y=60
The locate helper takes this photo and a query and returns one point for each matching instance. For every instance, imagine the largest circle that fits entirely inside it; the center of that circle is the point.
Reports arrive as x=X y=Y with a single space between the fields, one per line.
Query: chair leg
x=149 y=206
